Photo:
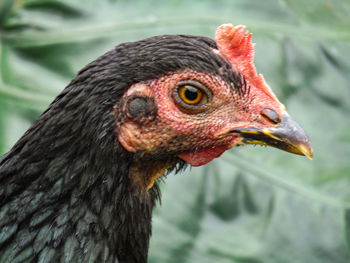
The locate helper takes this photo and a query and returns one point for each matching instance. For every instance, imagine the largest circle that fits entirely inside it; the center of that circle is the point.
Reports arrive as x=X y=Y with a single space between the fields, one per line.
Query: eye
x=192 y=94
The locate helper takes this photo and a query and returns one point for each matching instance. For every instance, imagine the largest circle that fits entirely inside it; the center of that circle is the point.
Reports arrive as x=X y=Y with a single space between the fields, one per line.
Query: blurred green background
x=252 y=205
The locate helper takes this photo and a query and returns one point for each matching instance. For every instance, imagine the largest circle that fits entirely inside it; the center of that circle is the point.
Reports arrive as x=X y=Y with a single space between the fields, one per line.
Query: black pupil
x=191 y=93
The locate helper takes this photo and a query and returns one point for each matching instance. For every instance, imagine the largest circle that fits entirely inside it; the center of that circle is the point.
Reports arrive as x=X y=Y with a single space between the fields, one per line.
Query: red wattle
x=203 y=156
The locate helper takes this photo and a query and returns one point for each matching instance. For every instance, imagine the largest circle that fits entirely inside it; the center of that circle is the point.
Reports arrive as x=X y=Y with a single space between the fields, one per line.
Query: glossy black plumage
x=66 y=194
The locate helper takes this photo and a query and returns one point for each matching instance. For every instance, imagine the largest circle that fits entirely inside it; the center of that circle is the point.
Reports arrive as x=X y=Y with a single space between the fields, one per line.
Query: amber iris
x=190 y=95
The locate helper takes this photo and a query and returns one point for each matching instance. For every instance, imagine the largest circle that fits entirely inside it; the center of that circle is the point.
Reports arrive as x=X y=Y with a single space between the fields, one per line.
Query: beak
x=287 y=136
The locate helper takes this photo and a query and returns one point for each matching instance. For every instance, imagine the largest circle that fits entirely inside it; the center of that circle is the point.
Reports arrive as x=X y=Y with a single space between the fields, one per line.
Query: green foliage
x=251 y=205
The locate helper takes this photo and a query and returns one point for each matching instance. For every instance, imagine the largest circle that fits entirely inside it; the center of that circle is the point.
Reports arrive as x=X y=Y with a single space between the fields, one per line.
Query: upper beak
x=287 y=136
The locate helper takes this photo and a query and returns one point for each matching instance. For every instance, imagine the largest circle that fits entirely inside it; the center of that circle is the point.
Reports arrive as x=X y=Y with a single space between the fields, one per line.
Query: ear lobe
x=141 y=108
x=138 y=103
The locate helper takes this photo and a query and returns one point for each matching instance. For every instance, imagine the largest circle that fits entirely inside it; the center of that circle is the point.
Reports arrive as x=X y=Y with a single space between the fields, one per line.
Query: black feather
x=65 y=194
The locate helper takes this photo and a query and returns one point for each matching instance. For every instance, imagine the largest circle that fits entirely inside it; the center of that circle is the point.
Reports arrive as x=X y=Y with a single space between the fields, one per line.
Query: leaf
x=253 y=204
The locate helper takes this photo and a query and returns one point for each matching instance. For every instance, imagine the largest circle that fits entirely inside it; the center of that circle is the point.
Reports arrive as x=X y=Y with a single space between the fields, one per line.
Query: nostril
x=271 y=115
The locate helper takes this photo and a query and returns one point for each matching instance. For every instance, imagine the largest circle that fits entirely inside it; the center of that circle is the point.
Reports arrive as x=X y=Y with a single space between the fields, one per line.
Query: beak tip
x=307 y=151
x=310 y=156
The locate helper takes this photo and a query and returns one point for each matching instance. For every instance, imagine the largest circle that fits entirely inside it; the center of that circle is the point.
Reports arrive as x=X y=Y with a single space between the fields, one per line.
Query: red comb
x=235 y=44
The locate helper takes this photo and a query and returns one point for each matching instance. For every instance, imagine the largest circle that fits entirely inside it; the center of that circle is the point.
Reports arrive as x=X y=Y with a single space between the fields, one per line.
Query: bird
x=81 y=183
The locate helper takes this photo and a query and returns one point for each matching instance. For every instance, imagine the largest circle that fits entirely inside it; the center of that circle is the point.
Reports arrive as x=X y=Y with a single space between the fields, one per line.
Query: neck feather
x=67 y=193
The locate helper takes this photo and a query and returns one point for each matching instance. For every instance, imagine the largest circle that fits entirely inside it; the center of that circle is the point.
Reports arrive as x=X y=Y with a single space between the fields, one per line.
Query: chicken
x=80 y=184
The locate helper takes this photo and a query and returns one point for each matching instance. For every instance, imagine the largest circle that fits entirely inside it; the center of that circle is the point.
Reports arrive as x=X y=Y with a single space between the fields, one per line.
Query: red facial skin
x=200 y=135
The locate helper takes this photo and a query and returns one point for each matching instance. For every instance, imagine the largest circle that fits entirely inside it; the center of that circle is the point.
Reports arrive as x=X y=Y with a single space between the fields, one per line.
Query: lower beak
x=287 y=136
